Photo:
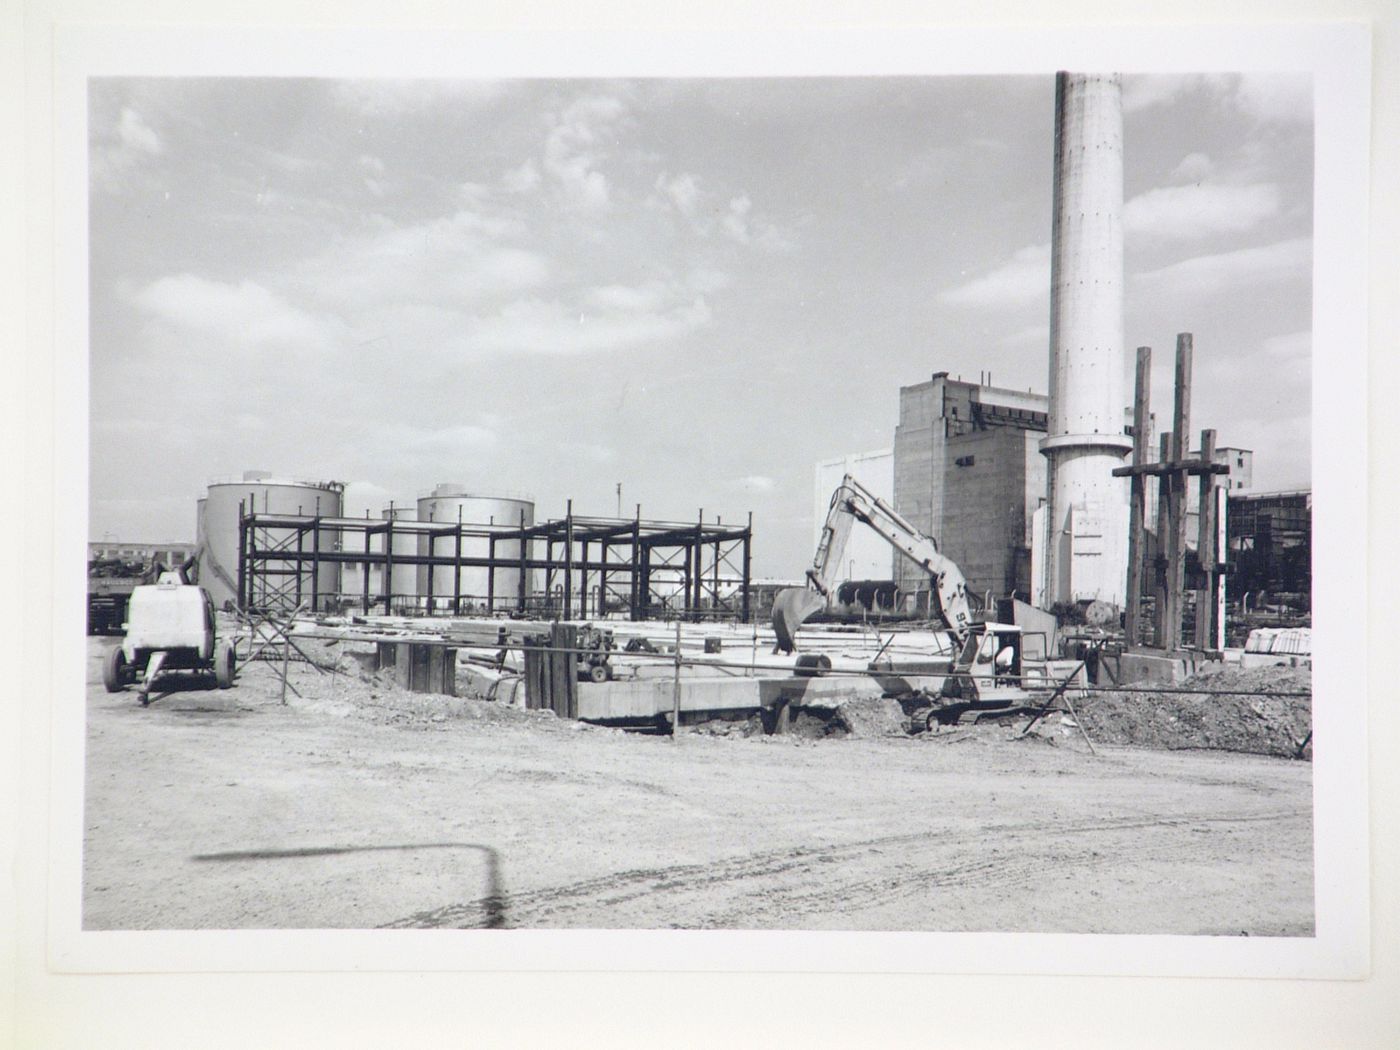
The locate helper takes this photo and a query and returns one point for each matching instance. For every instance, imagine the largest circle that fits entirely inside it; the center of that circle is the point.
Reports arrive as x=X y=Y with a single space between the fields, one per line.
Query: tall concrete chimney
x=1084 y=537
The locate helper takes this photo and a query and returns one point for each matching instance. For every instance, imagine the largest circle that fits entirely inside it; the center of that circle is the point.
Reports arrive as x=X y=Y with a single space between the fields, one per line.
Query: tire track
x=809 y=879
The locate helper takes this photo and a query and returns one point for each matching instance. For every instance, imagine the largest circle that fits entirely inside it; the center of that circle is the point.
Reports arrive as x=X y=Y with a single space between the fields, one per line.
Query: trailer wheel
x=599 y=673
x=114 y=670
x=223 y=665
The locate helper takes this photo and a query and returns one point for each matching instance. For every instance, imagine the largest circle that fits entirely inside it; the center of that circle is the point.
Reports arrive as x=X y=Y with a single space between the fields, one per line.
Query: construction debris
x=1250 y=721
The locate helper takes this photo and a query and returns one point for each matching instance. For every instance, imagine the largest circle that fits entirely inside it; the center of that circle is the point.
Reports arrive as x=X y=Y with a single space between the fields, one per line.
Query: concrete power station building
x=968 y=472
x=1017 y=487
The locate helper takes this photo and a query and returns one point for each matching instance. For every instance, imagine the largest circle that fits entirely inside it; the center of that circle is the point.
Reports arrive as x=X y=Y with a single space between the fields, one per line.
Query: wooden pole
x=676 y=688
x=1205 y=548
x=286 y=658
x=1221 y=496
x=1137 y=521
x=1160 y=562
x=1176 y=539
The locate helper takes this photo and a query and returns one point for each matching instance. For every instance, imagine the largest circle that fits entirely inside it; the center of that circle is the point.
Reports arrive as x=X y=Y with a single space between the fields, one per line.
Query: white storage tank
x=201 y=535
x=266 y=493
x=450 y=503
x=405 y=581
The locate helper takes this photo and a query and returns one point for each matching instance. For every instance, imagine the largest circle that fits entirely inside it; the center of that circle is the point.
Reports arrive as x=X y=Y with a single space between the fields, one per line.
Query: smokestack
x=1084 y=555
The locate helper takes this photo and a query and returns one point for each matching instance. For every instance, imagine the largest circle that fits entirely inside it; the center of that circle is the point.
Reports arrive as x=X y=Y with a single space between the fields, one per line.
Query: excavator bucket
x=792 y=607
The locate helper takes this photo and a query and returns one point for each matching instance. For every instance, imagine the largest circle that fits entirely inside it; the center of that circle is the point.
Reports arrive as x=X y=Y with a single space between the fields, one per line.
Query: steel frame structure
x=587 y=566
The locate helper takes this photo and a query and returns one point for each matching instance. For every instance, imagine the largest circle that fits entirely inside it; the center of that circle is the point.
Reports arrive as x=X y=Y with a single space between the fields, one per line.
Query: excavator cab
x=989 y=667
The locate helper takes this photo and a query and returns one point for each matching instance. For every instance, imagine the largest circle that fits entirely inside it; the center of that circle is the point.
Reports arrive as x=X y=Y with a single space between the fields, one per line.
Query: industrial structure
x=454 y=503
x=968 y=471
x=1029 y=495
x=1082 y=532
x=219 y=539
x=585 y=566
x=146 y=554
x=1270 y=543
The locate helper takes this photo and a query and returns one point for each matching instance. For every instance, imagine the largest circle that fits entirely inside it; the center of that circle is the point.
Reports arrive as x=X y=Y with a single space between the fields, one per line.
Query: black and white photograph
x=707 y=514
x=644 y=477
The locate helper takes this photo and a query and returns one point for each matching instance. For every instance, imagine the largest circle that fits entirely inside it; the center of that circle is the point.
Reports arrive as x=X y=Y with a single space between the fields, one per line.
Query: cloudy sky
x=695 y=288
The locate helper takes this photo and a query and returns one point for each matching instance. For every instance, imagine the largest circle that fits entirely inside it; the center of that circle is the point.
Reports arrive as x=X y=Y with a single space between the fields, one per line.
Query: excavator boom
x=853 y=502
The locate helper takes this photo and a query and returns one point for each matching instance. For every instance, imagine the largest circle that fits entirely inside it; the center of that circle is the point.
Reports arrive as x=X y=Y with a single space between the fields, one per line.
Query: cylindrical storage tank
x=201 y=537
x=403 y=585
x=449 y=504
x=265 y=493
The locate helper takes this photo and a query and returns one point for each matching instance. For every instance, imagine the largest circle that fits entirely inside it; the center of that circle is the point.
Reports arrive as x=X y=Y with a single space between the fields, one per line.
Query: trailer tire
x=114 y=670
x=224 y=665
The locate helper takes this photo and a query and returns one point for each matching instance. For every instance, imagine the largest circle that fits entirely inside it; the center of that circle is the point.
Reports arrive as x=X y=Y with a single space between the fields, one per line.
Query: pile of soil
x=737 y=726
x=1249 y=721
x=872 y=717
x=347 y=689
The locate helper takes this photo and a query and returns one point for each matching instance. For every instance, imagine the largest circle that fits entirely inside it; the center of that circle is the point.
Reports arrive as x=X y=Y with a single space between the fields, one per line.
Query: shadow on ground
x=491 y=907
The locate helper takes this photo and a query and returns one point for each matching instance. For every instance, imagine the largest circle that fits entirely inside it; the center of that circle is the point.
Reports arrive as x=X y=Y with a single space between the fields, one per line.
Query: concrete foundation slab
x=645 y=699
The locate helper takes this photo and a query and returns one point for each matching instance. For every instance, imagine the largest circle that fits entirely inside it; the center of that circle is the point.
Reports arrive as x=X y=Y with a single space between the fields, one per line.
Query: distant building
x=868 y=556
x=1241 y=478
x=1269 y=535
x=968 y=472
x=168 y=554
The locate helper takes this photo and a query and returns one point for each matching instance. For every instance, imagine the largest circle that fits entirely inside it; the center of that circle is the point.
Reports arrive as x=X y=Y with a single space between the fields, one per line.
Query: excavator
x=986 y=671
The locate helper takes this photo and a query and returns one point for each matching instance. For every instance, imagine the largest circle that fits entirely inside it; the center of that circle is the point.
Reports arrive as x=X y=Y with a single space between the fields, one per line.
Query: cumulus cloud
x=1193 y=168
x=522 y=179
x=1229 y=271
x=115 y=151
x=235 y=314
x=574 y=149
x=465 y=258
x=1259 y=395
x=1022 y=279
x=1275 y=98
x=551 y=327
x=1197 y=212
x=1146 y=92
x=135 y=134
x=1265 y=97
x=626 y=299
x=705 y=215
x=736 y=219
x=681 y=191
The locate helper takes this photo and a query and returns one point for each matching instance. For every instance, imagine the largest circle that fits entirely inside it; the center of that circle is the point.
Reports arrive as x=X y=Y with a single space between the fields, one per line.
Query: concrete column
x=1085 y=557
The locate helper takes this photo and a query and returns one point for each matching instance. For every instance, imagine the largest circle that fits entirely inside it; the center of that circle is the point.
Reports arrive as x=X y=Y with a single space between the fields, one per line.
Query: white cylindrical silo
x=1086 y=506
x=449 y=504
x=403 y=584
x=201 y=533
x=264 y=493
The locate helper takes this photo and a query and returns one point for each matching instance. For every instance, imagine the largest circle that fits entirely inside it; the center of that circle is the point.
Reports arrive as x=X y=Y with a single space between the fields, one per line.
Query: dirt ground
x=358 y=806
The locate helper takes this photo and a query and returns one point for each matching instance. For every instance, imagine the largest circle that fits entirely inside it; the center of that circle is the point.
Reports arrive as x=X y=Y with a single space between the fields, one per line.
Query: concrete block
x=1148 y=667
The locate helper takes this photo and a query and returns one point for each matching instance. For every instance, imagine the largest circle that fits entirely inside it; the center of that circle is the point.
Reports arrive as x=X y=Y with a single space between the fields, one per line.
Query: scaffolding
x=565 y=568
